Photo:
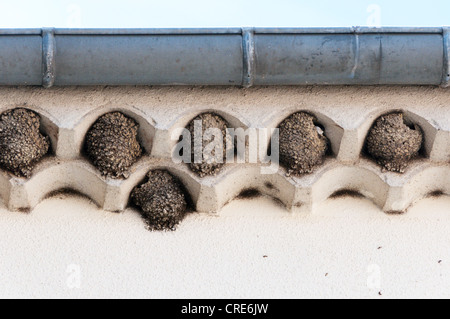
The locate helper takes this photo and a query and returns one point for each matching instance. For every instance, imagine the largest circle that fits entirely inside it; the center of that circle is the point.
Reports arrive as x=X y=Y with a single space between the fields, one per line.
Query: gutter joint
x=446 y=70
x=48 y=57
x=248 y=45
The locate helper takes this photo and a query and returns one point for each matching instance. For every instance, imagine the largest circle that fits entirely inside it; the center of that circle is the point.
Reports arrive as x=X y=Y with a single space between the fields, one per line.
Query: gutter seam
x=48 y=57
x=248 y=45
x=356 y=52
x=446 y=70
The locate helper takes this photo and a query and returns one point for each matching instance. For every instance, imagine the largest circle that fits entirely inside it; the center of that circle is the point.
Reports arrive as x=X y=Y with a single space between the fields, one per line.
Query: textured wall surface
x=341 y=247
x=349 y=248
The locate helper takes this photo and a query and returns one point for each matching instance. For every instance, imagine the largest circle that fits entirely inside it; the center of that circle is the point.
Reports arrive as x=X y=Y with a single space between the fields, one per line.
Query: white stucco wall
x=223 y=256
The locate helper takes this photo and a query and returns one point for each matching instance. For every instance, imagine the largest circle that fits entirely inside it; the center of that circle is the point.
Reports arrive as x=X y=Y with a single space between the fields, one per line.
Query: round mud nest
x=112 y=144
x=21 y=143
x=303 y=144
x=162 y=201
x=210 y=163
x=393 y=143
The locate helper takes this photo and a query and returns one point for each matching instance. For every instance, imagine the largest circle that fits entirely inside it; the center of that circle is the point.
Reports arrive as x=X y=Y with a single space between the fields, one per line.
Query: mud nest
x=162 y=201
x=112 y=144
x=392 y=143
x=302 y=144
x=21 y=143
x=210 y=165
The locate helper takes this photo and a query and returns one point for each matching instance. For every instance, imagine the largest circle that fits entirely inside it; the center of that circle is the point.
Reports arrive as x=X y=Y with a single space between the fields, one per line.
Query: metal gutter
x=228 y=56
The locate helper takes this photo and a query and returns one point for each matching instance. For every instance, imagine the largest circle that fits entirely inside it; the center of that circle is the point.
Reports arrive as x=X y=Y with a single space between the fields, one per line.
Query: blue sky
x=210 y=13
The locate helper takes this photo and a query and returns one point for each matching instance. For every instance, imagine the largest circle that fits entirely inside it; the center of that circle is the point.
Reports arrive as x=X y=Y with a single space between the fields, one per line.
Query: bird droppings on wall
x=347 y=193
x=112 y=144
x=392 y=143
x=436 y=193
x=303 y=144
x=249 y=193
x=271 y=187
x=22 y=144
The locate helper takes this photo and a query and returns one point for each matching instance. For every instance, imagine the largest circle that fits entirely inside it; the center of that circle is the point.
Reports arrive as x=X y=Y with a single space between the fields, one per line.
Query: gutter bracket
x=248 y=45
x=48 y=57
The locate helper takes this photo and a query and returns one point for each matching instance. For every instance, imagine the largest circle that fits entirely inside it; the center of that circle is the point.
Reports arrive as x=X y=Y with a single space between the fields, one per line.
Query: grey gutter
x=227 y=56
